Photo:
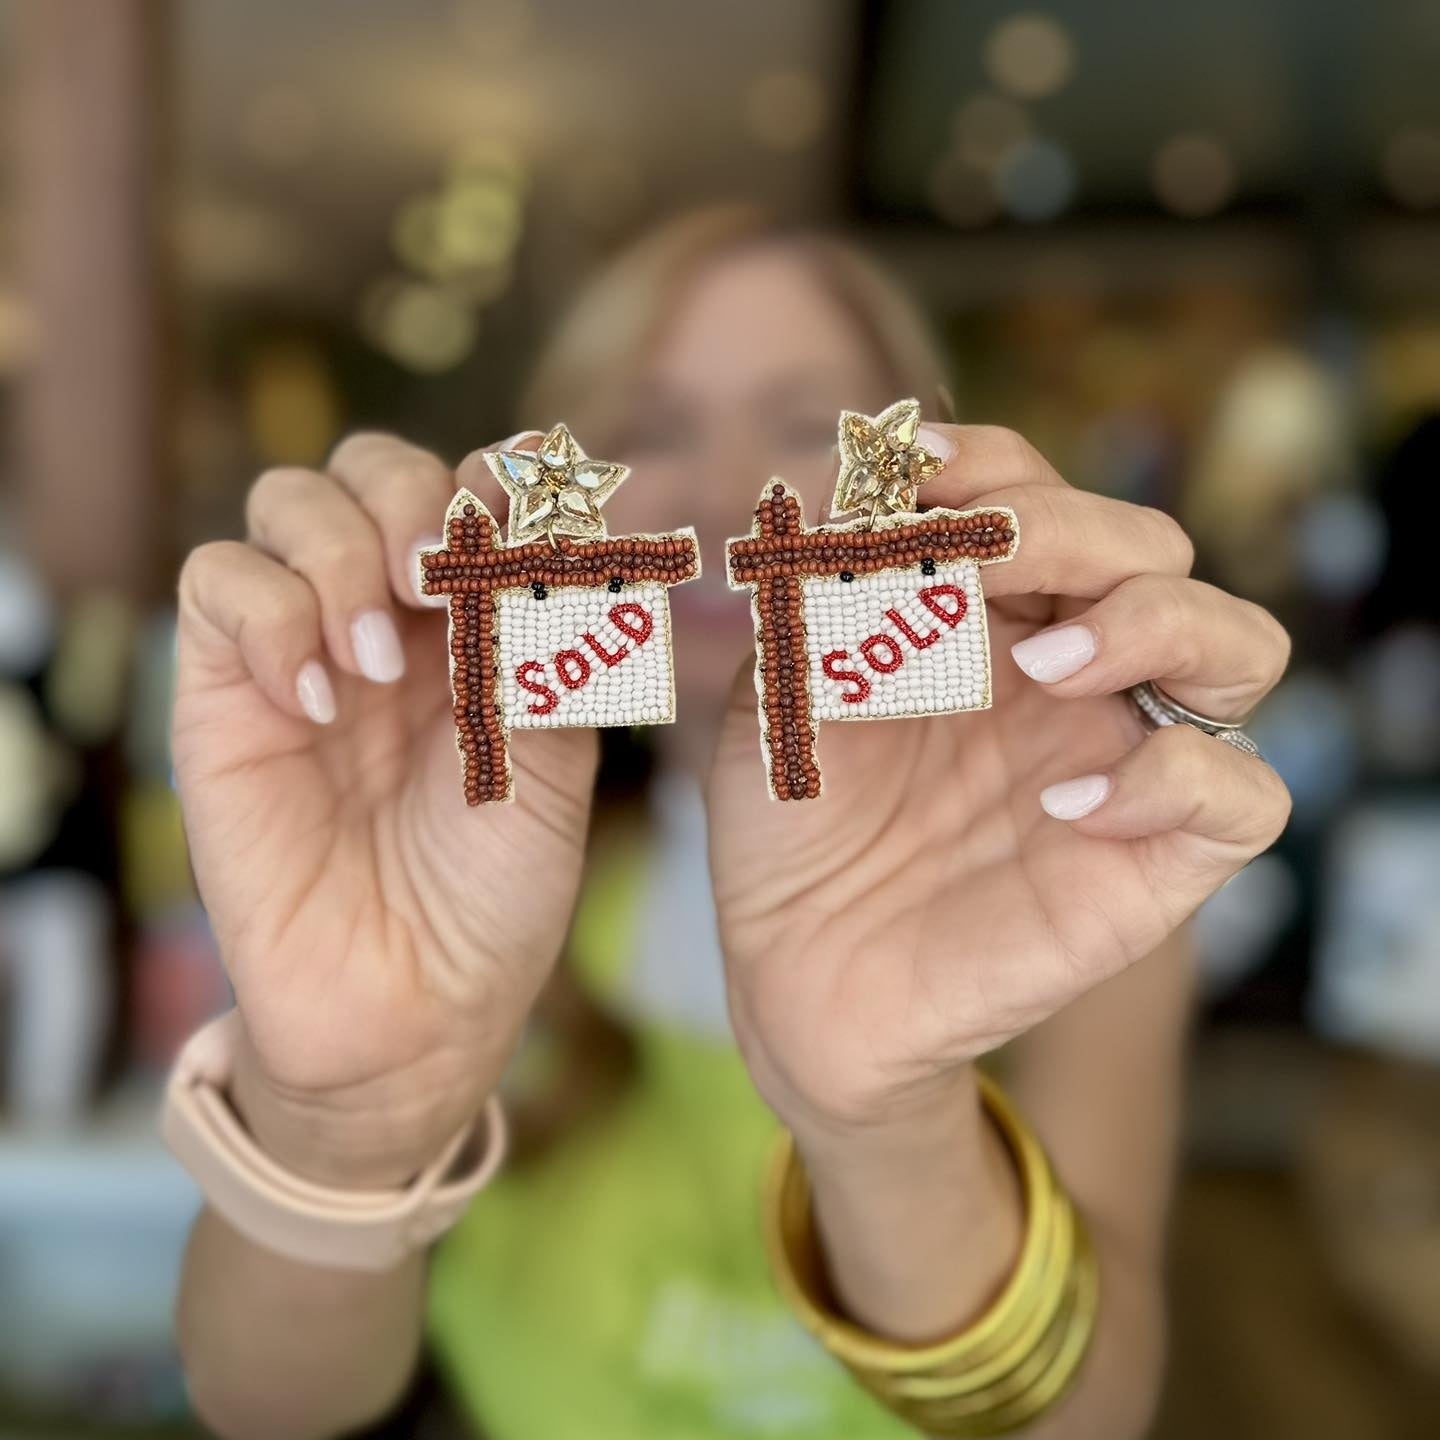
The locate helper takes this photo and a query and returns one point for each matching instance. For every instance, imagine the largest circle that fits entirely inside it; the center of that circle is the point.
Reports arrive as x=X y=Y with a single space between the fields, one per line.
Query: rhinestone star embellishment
x=555 y=490
x=881 y=466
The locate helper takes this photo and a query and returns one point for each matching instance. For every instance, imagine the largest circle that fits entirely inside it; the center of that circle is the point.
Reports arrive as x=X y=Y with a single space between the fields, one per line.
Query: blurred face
x=745 y=383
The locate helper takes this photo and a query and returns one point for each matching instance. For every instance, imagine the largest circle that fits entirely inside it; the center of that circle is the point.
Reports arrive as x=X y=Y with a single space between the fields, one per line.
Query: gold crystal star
x=555 y=490
x=881 y=466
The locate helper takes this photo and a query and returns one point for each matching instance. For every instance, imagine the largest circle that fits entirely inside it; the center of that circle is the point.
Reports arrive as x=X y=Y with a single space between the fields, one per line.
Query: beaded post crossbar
x=863 y=621
x=555 y=631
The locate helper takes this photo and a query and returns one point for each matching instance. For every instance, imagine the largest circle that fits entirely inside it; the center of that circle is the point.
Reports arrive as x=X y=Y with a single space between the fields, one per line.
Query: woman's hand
x=385 y=941
x=933 y=904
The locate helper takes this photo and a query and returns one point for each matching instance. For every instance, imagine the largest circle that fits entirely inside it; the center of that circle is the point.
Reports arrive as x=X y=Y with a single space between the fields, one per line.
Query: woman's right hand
x=385 y=941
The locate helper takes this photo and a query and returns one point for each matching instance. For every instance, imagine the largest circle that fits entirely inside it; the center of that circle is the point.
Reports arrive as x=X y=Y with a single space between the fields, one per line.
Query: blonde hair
x=602 y=338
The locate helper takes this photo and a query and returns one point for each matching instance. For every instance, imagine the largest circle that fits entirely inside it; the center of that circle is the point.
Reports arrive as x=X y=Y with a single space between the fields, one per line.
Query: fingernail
x=430 y=542
x=1054 y=654
x=937 y=442
x=1071 y=799
x=517 y=437
x=317 y=699
x=377 y=647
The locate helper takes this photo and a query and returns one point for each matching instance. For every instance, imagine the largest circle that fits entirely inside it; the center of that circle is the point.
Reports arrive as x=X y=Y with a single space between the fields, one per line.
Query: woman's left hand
x=933 y=904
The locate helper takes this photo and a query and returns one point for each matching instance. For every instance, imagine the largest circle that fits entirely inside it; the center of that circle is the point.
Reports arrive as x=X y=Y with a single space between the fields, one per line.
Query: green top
x=618 y=1289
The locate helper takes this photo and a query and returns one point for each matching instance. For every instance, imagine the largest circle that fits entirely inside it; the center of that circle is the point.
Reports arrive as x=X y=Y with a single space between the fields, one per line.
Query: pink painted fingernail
x=317 y=699
x=1071 y=799
x=518 y=436
x=377 y=647
x=431 y=542
x=1055 y=654
x=937 y=442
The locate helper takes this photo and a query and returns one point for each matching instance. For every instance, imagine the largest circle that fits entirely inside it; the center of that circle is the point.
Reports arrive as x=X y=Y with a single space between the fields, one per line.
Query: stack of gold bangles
x=1010 y=1365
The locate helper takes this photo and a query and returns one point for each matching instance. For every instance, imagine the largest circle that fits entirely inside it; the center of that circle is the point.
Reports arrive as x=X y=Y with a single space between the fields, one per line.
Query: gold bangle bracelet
x=1035 y=1386
x=1047 y=1314
x=794 y=1254
x=1009 y=1364
x=1048 y=1389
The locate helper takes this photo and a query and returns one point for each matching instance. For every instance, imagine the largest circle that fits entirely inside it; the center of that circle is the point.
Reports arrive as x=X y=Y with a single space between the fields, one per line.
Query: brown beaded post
x=473 y=567
x=780 y=552
x=789 y=734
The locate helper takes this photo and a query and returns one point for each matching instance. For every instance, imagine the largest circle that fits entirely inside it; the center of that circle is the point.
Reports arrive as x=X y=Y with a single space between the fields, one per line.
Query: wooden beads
x=480 y=731
x=789 y=734
x=467 y=566
x=783 y=548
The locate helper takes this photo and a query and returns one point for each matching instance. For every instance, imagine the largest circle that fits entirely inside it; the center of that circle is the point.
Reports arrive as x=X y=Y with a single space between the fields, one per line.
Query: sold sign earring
x=563 y=624
x=869 y=617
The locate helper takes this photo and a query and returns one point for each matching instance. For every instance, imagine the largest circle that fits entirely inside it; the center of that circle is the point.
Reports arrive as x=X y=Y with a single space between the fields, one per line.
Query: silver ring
x=1157 y=708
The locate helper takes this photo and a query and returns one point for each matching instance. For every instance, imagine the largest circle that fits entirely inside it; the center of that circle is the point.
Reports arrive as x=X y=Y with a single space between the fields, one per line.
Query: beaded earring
x=563 y=624
x=875 y=615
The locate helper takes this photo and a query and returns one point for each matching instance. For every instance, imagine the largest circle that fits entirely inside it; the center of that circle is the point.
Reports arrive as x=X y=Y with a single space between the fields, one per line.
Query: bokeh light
x=292 y=409
x=1037 y=180
x=1340 y=544
x=987 y=127
x=1030 y=56
x=422 y=326
x=478 y=224
x=1193 y=175
x=1411 y=167
x=472 y=224
x=415 y=235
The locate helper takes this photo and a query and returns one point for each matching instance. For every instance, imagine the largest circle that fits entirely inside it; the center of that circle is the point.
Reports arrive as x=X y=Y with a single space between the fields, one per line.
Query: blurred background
x=1193 y=253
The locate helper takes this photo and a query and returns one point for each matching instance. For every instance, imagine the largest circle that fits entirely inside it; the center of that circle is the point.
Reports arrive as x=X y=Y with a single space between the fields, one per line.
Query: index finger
x=474 y=474
x=979 y=459
x=404 y=489
x=1072 y=542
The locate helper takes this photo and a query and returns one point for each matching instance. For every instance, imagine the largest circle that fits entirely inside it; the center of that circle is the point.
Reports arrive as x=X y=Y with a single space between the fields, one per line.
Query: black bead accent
x=927 y=566
x=847 y=576
x=538 y=590
x=616 y=585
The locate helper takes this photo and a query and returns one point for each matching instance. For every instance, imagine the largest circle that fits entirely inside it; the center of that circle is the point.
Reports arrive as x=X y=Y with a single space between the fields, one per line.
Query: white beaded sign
x=897 y=643
x=585 y=656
